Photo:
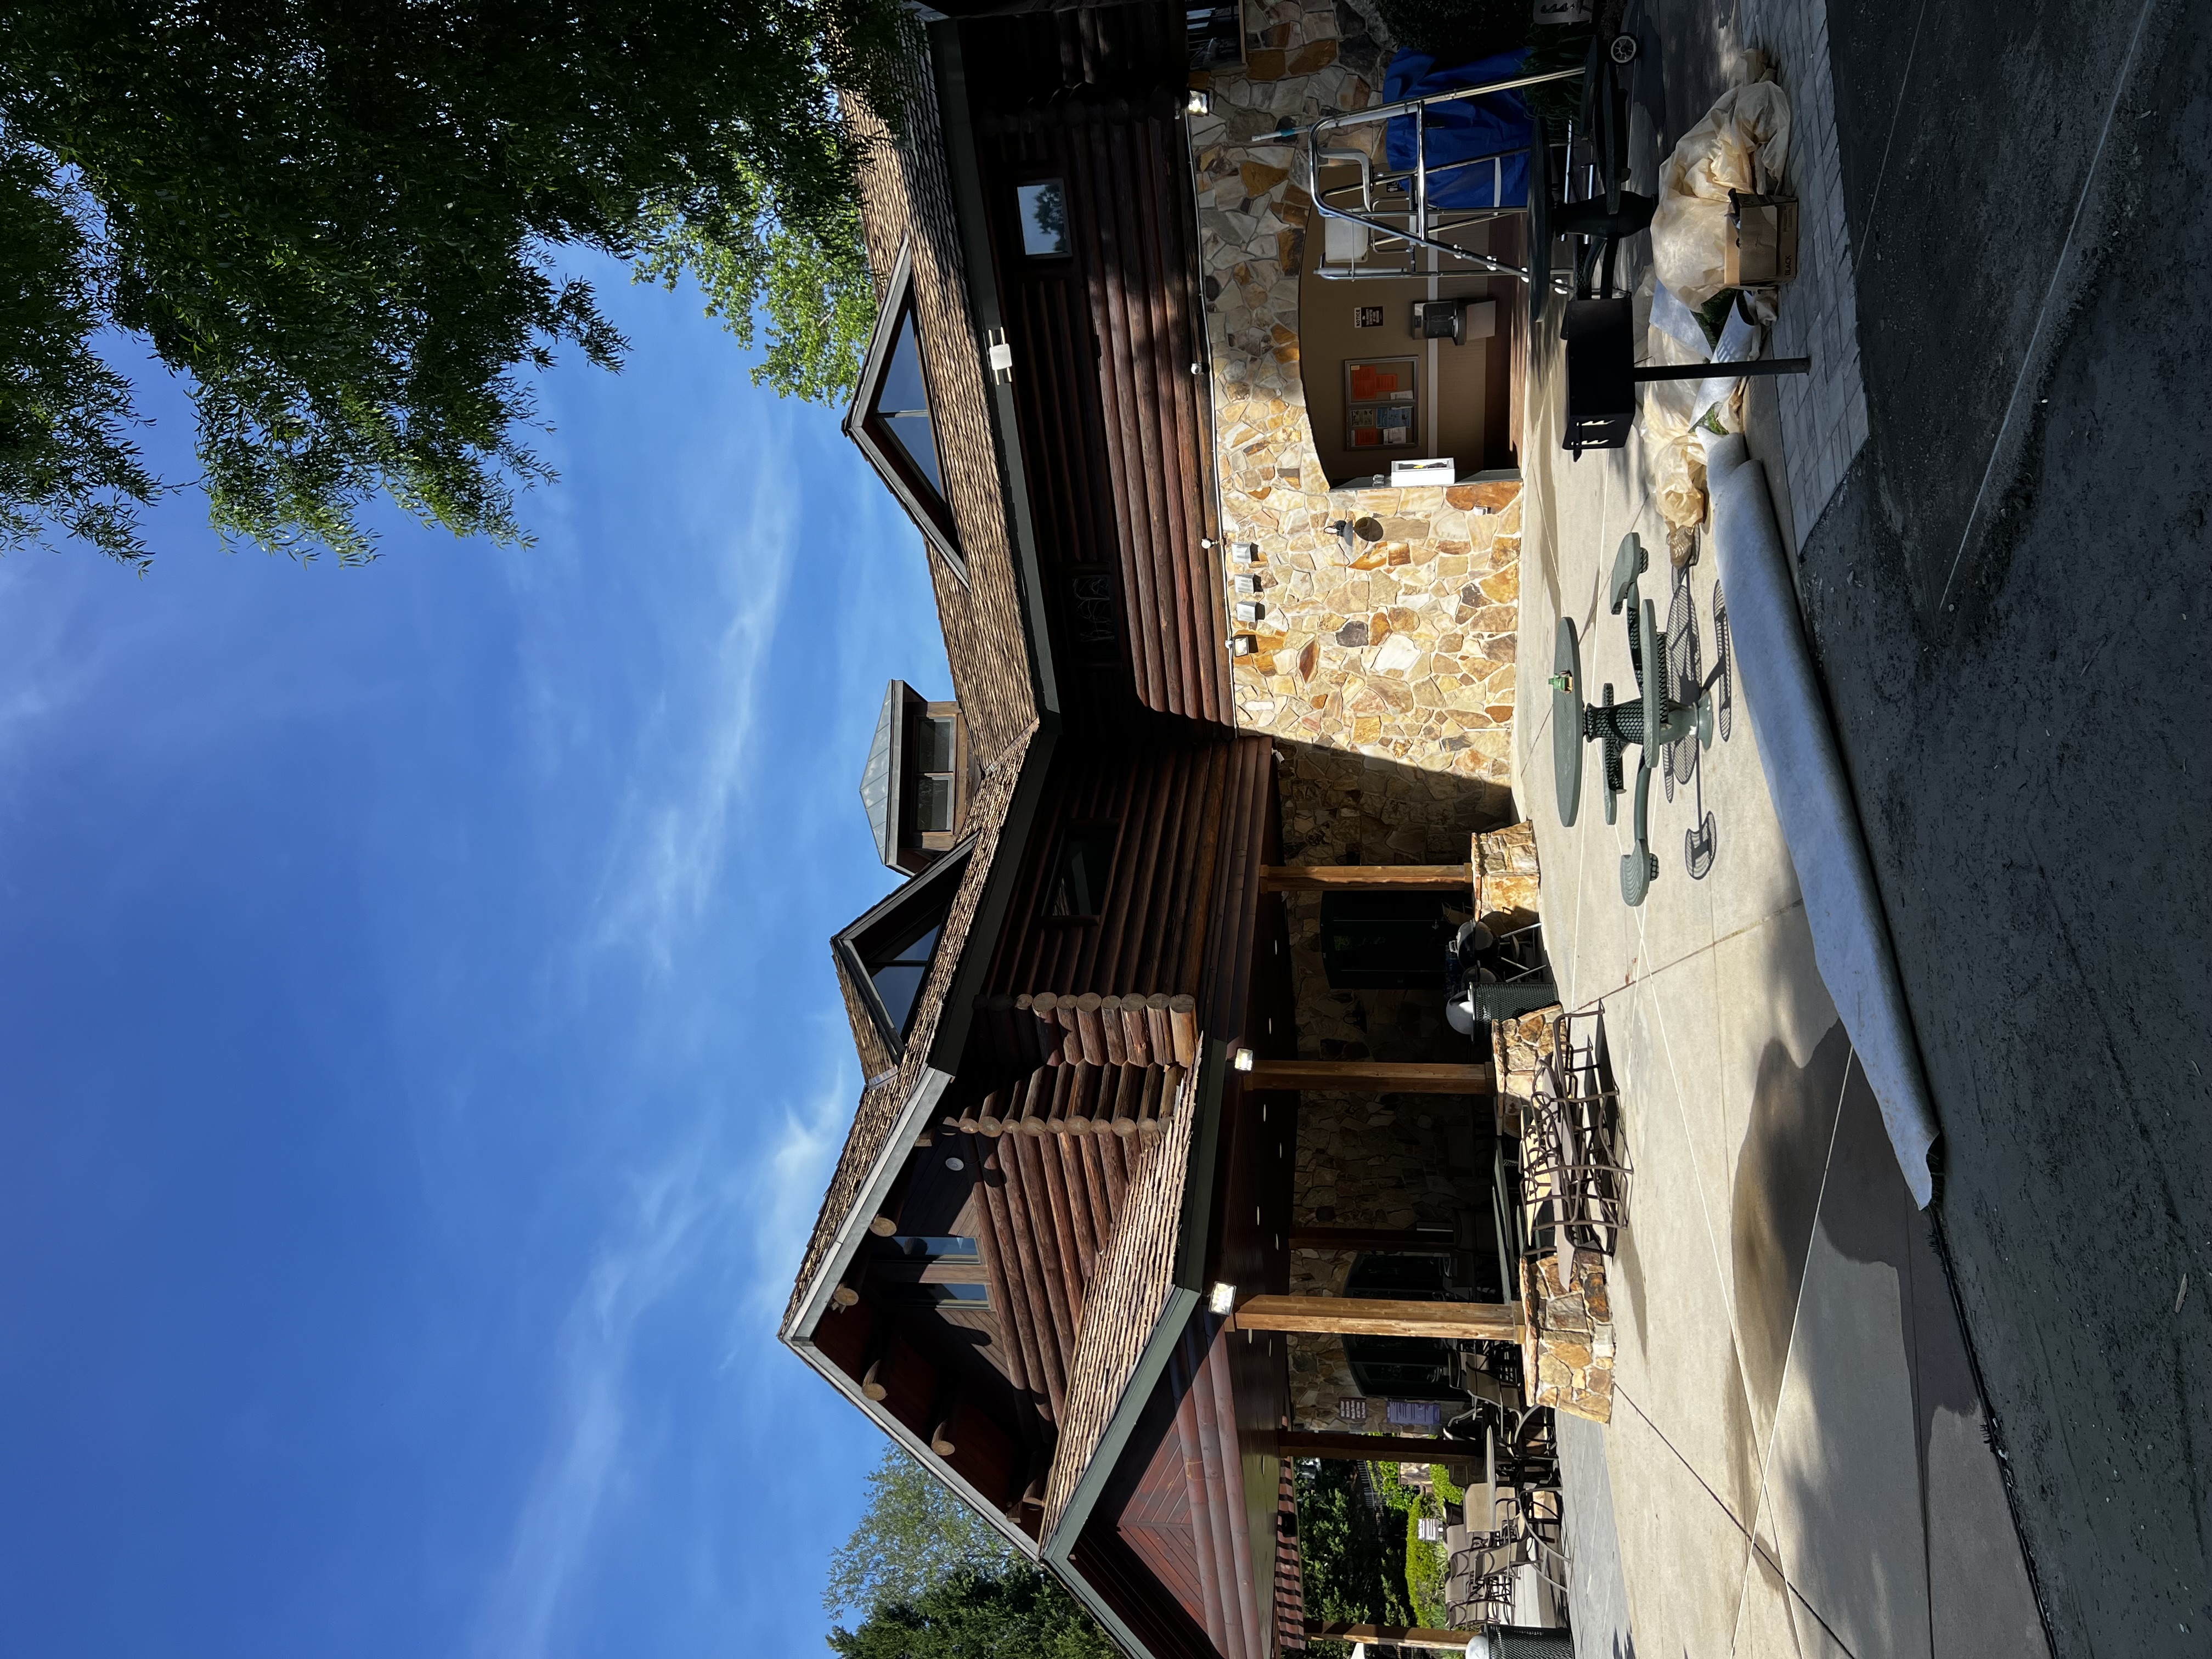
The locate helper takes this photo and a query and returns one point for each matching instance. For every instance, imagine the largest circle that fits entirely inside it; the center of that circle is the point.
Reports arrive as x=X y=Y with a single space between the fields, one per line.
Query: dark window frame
x=1092 y=649
x=932 y=892
x=924 y=503
x=1028 y=178
x=928 y=834
x=1080 y=830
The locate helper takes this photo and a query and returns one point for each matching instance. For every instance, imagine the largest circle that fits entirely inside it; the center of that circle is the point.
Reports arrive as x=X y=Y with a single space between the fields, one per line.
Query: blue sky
x=422 y=1059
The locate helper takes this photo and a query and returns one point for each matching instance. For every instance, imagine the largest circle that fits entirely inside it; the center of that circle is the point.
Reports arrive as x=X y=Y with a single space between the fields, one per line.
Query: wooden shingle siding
x=906 y=201
x=1133 y=1284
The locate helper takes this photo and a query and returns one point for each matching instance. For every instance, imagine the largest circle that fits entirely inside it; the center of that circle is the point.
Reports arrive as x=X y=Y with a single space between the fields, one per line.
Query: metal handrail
x=1420 y=231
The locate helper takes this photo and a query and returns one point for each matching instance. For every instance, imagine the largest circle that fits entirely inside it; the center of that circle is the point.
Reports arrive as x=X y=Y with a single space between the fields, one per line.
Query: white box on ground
x=1440 y=471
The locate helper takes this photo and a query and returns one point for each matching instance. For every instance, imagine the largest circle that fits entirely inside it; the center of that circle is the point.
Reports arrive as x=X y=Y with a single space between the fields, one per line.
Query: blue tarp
x=1498 y=125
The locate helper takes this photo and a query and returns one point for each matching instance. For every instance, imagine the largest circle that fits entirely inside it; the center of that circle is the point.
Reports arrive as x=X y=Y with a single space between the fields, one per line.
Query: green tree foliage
x=812 y=281
x=1352 y=1548
x=934 y=1581
x=342 y=220
x=65 y=459
x=1016 y=1611
x=914 y=1535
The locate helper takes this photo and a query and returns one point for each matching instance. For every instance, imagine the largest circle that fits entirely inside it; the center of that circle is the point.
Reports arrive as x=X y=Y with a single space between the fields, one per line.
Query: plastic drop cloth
x=1742 y=145
x=1673 y=410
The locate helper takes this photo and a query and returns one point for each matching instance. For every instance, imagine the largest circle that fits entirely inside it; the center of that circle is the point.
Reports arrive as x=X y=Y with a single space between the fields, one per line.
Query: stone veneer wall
x=1408 y=652
x=1364 y=1159
x=1388 y=682
x=1569 y=1348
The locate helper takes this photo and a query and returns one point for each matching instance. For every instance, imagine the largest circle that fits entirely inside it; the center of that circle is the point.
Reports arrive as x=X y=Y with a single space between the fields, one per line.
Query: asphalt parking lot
x=2008 y=600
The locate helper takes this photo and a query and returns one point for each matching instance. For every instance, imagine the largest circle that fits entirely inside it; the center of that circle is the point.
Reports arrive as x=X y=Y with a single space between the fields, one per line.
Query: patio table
x=1654 y=721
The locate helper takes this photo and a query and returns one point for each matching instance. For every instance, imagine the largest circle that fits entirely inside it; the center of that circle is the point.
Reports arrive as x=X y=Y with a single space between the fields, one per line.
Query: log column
x=1380 y=1076
x=1363 y=878
x=1347 y=1315
x=1402 y=1635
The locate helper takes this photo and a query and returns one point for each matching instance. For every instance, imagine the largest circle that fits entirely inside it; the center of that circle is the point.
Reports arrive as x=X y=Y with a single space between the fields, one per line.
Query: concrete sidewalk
x=1797 y=1456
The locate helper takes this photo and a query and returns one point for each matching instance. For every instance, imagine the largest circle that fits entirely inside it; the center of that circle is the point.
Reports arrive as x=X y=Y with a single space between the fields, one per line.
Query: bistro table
x=1652 y=721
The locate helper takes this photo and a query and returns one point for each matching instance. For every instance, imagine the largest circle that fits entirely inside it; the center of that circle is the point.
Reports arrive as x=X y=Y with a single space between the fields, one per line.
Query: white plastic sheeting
x=1671 y=408
x=1813 y=801
x=1742 y=145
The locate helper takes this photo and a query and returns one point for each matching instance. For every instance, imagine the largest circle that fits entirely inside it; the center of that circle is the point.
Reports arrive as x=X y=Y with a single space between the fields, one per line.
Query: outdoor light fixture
x=1250 y=610
x=1245 y=1059
x=1199 y=102
x=1242 y=646
x=1223 y=1299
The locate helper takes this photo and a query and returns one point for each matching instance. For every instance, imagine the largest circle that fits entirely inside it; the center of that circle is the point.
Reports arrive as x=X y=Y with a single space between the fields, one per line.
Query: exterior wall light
x=1223 y=1299
x=1199 y=102
x=1245 y=1059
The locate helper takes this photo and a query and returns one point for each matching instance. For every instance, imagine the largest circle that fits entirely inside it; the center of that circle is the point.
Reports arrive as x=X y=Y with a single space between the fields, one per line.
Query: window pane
x=919 y=949
x=898 y=983
x=932 y=805
x=902 y=391
x=925 y=1247
x=902 y=404
x=912 y=433
x=963 y=1296
x=1044 y=218
x=1078 y=885
x=935 y=743
x=898 y=972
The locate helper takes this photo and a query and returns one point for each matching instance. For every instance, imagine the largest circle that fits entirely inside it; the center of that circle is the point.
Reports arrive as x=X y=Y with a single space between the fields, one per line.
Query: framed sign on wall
x=1381 y=402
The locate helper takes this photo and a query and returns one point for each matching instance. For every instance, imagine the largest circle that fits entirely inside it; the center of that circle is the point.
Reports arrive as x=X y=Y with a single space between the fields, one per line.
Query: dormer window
x=899 y=963
x=901 y=408
x=916 y=786
x=888 y=953
x=893 y=420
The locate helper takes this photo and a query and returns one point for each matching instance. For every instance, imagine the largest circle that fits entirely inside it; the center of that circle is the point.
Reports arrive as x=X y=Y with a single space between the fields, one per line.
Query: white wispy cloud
x=676 y=811
x=791 y=1174
x=677 y=1220
x=728 y=1210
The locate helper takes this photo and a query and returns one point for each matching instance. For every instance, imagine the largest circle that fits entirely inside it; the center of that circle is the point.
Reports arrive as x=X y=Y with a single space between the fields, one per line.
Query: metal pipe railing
x=1420 y=232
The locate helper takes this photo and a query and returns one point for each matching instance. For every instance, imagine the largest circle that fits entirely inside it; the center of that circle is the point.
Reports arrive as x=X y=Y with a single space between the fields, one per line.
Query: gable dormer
x=893 y=419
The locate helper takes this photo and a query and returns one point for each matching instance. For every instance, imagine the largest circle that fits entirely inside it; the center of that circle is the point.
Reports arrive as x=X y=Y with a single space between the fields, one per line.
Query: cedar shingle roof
x=1124 y=1305
x=882 y=1101
x=906 y=203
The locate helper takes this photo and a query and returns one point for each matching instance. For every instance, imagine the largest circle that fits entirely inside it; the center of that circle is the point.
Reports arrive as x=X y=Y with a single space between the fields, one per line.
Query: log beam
x=1403 y=1636
x=1363 y=878
x=1378 y=1076
x=1347 y=1315
x=1370 y=1447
